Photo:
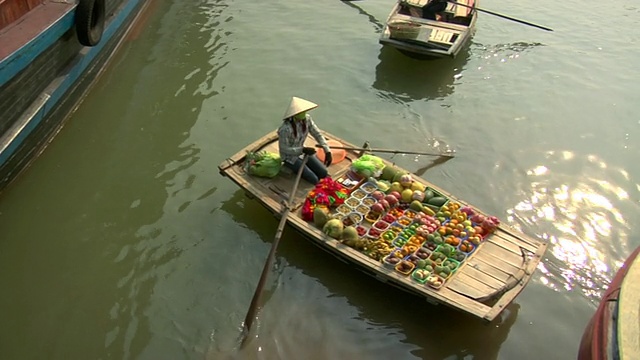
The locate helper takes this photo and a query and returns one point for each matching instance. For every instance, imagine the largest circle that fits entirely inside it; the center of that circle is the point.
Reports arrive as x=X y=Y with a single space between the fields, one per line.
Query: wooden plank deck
x=488 y=280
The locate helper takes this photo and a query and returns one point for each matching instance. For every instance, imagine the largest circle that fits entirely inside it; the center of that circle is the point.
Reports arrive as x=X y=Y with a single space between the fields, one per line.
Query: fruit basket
x=362 y=209
x=435 y=281
x=452 y=264
x=381 y=225
x=369 y=187
x=344 y=209
x=410 y=214
x=423 y=253
x=437 y=257
x=388 y=236
x=352 y=219
x=359 y=194
x=374 y=233
x=466 y=247
x=420 y=275
x=405 y=267
x=368 y=201
x=404 y=221
x=352 y=202
x=458 y=255
x=371 y=217
x=399 y=241
x=396 y=212
x=388 y=218
x=393 y=259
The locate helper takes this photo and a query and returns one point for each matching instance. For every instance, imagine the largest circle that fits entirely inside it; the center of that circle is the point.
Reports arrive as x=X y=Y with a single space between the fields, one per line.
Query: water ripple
x=583 y=222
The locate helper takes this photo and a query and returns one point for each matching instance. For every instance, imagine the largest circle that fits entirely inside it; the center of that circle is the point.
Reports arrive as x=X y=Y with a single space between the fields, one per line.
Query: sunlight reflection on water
x=586 y=225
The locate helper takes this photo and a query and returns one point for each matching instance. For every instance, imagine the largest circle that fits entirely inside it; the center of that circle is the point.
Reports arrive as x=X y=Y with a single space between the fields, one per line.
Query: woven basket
x=403 y=30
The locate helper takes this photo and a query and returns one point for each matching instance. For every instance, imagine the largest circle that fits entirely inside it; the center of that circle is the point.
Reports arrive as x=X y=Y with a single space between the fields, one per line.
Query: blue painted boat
x=51 y=51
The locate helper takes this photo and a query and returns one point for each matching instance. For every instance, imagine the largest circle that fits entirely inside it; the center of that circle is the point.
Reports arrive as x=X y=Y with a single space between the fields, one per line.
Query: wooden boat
x=407 y=31
x=51 y=52
x=614 y=329
x=484 y=284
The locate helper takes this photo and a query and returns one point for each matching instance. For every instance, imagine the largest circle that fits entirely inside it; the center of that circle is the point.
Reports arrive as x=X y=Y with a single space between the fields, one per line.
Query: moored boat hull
x=45 y=71
x=612 y=331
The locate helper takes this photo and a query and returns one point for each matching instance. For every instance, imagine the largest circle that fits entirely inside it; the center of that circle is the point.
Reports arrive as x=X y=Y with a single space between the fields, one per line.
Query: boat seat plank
x=531 y=246
x=501 y=257
x=482 y=277
x=489 y=269
x=466 y=289
x=463 y=282
x=505 y=244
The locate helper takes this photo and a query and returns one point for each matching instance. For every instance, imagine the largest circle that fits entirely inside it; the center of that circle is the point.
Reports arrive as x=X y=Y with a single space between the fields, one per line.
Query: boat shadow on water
x=402 y=78
x=434 y=331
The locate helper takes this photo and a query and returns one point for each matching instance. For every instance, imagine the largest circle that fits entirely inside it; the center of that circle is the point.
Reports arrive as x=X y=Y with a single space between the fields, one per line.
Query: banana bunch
x=360 y=244
x=378 y=249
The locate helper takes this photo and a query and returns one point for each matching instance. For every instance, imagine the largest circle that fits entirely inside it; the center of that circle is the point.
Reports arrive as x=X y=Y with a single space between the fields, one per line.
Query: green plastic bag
x=263 y=164
x=368 y=166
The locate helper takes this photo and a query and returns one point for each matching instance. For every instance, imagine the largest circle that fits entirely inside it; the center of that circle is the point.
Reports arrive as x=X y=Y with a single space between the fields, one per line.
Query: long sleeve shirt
x=291 y=141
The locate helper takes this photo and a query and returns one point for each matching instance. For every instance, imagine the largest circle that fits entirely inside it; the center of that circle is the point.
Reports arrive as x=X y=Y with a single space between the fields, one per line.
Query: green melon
x=388 y=173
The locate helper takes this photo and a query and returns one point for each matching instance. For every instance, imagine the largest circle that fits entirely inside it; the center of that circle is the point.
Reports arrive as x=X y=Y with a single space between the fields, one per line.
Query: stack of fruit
x=412 y=228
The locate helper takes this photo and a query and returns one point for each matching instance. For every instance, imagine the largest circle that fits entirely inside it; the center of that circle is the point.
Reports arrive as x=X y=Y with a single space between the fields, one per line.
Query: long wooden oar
x=390 y=151
x=255 y=301
x=501 y=15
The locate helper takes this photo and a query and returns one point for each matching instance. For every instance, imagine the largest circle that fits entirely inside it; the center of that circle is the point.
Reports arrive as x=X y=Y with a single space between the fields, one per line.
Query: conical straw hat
x=297 y=106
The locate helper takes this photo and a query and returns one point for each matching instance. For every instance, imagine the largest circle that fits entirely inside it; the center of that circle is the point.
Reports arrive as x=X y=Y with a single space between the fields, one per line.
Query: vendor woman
x=295 y=128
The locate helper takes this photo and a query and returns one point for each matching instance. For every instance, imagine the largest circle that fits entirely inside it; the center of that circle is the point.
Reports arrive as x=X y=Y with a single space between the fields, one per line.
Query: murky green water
x=123 y=241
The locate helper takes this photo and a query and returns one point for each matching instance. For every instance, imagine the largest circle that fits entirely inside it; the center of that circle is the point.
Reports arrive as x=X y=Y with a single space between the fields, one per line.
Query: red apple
x=396 y=194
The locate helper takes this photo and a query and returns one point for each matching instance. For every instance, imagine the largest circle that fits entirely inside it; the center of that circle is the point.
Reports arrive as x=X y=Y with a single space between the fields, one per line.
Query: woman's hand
x=327 y=159
x=308 y=150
